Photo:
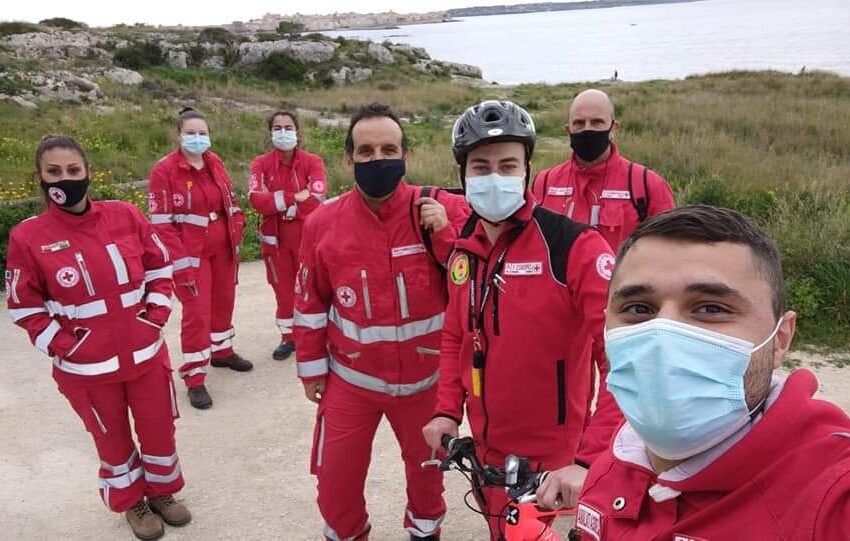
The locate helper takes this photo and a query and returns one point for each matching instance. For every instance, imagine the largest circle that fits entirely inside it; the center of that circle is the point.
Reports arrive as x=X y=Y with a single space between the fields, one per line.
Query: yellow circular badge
x=460 y=270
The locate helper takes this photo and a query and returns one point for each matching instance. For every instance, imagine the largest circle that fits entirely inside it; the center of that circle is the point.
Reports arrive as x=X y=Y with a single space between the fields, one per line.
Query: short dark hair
x=189 y=113
x=373 y=110
x=49 y=142
x=706 y=224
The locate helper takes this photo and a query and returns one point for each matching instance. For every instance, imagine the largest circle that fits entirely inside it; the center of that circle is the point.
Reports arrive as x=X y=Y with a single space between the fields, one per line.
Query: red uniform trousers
x=125 y=475
x=206 y=326
x=345 y=427
x=281 y=268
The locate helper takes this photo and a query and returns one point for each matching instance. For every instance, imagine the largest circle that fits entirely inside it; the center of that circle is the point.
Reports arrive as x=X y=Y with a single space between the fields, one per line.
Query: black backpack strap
x=469 y=227
x=560 y=233
x=432 y=192
x=640 y=200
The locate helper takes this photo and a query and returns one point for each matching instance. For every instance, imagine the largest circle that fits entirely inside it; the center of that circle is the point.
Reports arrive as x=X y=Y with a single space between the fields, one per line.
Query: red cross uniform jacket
x=369 y=297
x=272 y=190
x=92 y=291
x=181 y=214
x=785 y=476
x=509 y=351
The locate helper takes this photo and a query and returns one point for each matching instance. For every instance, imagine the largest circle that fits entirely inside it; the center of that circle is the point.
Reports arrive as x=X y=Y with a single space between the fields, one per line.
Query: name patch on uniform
x=413 y=249
x=680 y=537
x=616 y=194
x=589 y=521
x=560 y=191
x=55 y=247
x=524 y=269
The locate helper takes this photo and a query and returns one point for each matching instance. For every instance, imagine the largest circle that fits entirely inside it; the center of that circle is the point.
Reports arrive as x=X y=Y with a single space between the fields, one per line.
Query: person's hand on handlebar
x=562 y=487
x=434 y=431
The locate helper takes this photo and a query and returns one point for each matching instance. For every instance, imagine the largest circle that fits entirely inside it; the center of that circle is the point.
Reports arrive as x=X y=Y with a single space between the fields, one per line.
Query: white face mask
x=494 y=197
x=284 y=139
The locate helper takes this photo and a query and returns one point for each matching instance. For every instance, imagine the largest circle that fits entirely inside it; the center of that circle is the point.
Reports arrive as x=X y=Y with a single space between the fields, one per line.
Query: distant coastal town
x=391 y=19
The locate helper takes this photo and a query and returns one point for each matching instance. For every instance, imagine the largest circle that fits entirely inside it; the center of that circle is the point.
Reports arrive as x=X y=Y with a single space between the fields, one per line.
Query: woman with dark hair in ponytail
x=90 y=281
x=192 y=205
x=287 y=184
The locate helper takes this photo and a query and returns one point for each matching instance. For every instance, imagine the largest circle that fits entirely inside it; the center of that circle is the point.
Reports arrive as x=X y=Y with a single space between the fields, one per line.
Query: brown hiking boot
x=234 y=362
x=172 y=512
x=144 y=523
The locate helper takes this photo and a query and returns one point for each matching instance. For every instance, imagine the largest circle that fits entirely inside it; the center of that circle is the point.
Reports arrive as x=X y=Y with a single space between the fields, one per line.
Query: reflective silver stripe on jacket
x=160 y=273
x=132 y=298
x=148 y=353
x=311 y=369
x=159 y=299
x=291 y=211
x=83 y=311
x=371 y=383
x=42 y=341
x=279 y=201
x=385 y=333
x=186 y=262
x=89 y=369
x=18 y=314
x=161 y=246
x=118 y=264
x=271 y=240
x=311 y=321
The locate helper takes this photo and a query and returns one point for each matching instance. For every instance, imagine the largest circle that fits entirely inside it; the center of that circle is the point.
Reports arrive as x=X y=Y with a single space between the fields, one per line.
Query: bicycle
x=524 y=520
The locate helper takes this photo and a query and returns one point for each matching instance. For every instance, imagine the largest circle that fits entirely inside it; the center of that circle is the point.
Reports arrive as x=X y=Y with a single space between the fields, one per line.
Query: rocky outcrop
x=380 y=54
x=124 y=76
x=57 y=45
x=177 y=59
x=440 y=68
x=346 y=74
x=59 y=85
x=409 y=51
x=308 y=52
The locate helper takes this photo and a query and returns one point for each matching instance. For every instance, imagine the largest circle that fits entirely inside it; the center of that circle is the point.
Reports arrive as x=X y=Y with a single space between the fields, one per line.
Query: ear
x=615 y=127
x=567 y=127
x=784 y=338
x=349 y=163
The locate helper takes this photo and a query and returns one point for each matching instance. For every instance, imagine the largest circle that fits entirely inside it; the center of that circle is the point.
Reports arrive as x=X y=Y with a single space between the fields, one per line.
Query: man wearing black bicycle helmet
x=523 y=280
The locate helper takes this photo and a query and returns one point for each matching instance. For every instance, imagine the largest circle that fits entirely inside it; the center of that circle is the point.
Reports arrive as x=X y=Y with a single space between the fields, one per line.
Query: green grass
x=774 y=146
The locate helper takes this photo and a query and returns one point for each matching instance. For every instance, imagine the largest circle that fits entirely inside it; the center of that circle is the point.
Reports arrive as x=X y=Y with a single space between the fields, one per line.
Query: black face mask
x=590 y=144
x=378 y=178
x=66 y=193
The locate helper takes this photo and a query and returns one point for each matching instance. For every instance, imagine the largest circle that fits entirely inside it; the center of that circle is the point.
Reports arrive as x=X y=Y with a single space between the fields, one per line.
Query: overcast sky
x=169 y=12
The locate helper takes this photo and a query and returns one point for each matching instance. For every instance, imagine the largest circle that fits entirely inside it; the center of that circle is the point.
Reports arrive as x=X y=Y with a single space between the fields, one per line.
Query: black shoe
x=284 y=350
x=429 y=538
x=200 y=398
x=234 y=362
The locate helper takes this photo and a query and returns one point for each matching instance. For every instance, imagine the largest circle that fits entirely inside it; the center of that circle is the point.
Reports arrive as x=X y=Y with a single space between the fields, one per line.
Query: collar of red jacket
x=478 y=243
x=792 y=420
x=183 y=163
x=74 y=219
x=599 y=167
x=399 y=201
x=279 y=156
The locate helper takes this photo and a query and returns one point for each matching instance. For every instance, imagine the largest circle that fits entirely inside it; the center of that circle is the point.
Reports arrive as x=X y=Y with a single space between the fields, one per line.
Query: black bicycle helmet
x=492 y=121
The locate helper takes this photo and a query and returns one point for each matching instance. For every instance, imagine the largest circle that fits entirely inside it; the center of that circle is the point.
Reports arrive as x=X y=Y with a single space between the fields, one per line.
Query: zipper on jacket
x=561 y=379
x=367 y=302
x=85 y=271
x=402 y=296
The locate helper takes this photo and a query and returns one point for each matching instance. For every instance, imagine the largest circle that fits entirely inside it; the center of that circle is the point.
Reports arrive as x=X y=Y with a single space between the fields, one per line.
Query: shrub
x=280 y=67
x=15 y=27
x=63 y=23
x=197 y=55
x=140 y=55
x=268 y=36
x=290 y=27
x=215 y=34
x=14 y=85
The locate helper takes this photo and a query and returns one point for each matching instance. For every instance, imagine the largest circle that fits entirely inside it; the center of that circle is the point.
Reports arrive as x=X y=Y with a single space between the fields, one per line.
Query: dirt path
x=245 y=460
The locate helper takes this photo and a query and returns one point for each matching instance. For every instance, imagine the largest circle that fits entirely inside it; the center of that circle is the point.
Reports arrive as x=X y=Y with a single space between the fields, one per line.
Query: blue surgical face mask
x=680 y=387
x=195 y=143
x=284 y=139
x=494 y=197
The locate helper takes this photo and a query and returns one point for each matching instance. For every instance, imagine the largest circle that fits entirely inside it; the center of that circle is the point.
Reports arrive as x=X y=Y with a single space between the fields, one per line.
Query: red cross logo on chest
x=346 y=296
